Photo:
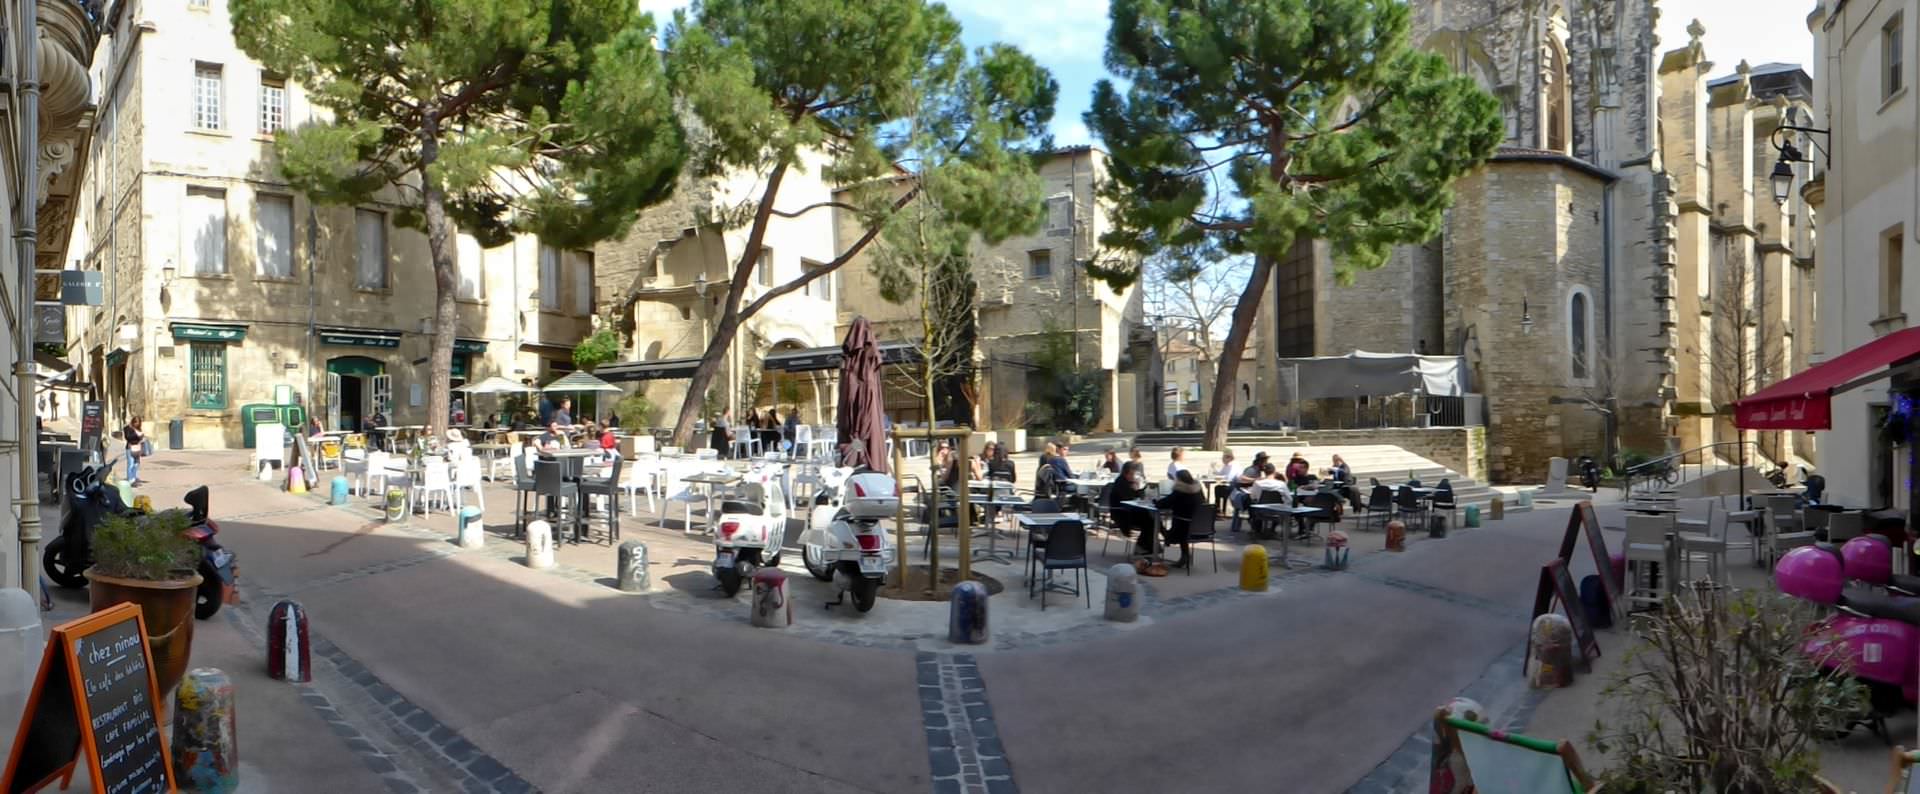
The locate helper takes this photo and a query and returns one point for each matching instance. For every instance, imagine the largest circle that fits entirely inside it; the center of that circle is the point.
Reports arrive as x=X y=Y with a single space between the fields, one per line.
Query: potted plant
x=148 y=560
x=1720 y=697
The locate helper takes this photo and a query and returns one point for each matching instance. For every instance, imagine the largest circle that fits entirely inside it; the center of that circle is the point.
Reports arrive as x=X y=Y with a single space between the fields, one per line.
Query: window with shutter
x=273 y=236
x=469 y=261
x=1059 y=216
x=582 y=263
x=207 y=95
x=370 y=230
x=204 y=230
x=549 y=278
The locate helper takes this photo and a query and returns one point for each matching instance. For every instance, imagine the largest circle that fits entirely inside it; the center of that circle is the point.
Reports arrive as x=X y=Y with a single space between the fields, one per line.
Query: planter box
x=1011 y=439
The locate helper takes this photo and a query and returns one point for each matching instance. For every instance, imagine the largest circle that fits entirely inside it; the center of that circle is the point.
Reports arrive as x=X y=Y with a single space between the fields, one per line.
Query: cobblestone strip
x=395 y=738
x=963 y=742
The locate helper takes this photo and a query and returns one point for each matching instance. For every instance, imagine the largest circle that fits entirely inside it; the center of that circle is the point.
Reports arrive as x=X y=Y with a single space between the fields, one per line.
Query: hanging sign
x=94 y=701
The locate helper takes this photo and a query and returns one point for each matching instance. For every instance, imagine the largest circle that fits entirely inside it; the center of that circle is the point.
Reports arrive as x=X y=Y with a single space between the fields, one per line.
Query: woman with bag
x=137 y=447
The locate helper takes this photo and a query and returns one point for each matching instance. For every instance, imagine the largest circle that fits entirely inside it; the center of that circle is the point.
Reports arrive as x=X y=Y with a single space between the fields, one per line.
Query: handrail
x=1658 y=467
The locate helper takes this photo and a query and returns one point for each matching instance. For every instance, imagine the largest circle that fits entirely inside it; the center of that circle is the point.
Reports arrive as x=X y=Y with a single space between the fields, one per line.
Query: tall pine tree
x=1245 y=125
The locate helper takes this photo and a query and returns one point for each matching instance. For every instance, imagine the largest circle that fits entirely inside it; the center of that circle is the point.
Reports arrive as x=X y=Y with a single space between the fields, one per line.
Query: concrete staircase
x=1391 y=465
x=1270 y=440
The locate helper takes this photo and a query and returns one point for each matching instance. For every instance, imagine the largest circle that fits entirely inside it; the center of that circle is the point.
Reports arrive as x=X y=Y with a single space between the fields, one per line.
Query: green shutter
x=207 y=376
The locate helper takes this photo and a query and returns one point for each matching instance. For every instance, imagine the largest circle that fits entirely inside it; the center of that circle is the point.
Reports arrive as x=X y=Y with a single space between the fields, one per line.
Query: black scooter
x=1589 y=473
x=89 y=501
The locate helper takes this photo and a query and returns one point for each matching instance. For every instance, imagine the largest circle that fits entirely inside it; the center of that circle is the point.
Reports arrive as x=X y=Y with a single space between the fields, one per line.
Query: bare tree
x=1747 y=355
x=1597 y=391
x=1191 y=298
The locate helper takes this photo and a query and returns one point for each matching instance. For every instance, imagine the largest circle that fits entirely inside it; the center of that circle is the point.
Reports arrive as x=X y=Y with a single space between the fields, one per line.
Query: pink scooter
x=1876 y=637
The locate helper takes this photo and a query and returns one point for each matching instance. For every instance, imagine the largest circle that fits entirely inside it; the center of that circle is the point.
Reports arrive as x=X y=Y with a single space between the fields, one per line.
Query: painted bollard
x=1396 y=535
x=21 y=645
x=771 y=609
x=1496 y=508
x=1525 y=499
x=633 y=567
x=396 y=505
x=967 y=614
x=206 y=756
x=337 y=491
x=296 y=480
x=1473 y=516
x=1123 y=596
x=1336 y=557
x=472 y=533
x=1448 y=772
x=143 y=504
x=288 y=657
x=1550 y=656
x=539 y=545
x=1253 y=569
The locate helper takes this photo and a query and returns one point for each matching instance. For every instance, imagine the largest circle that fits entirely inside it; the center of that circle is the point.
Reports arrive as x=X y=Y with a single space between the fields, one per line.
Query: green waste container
x=1473 y=515
x=254 y=415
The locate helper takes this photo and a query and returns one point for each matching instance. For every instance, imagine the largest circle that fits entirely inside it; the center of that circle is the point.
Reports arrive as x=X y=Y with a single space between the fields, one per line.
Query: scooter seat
x=741 y=508
x=1900 y=608
x=1901 y=581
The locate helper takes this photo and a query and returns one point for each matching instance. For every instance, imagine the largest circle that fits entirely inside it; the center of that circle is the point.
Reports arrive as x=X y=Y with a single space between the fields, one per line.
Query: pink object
x=1869 y=559
x=1878 y=651
x=1811 y=573
x=1618 y=562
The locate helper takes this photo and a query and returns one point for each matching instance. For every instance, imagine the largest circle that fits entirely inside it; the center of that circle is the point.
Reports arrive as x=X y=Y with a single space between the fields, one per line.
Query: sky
x=1069 y=36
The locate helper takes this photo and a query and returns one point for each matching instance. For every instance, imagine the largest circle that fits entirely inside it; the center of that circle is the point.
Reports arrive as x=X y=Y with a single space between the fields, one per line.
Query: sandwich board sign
x=1498 y=762
x=94 y=702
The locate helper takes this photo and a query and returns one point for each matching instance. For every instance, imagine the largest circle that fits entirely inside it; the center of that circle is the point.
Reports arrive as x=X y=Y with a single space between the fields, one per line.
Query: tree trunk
x=731 y=317
x=1220 y=403
x=445 y=309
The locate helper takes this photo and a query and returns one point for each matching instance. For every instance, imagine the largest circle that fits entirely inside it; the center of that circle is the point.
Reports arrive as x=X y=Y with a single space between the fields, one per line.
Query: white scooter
x=752 y=525
x=844 y=543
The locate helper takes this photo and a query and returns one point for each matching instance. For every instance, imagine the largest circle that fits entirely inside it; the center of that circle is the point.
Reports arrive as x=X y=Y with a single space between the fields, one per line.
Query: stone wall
x=1462 y=449
x=1392 y=309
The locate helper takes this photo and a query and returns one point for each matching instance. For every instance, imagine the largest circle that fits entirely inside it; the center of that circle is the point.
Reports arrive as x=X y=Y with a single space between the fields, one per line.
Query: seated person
x=1298 y=471
x=553 y=439
x=1186 y=498
x=1000 y=467
x=1110 y=462
x=1060 y=462
x=1224 y=471
x=1242 y=484
x=1270 y=488
x=1131 y=485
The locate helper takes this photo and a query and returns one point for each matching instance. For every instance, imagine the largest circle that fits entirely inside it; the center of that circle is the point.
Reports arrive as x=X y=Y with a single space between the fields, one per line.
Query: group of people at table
x=1125 y=486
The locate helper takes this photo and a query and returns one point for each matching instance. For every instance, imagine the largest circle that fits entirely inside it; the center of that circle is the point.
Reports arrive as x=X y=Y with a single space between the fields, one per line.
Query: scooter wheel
x=63 y=571
x=815 y=559
x=729 y=581
x=864 y=593
x=206 y=599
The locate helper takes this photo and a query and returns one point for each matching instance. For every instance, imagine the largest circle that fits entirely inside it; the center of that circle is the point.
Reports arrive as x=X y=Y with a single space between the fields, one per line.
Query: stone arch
x=1467 y=54
x=1556 y=101
x=1581 y=353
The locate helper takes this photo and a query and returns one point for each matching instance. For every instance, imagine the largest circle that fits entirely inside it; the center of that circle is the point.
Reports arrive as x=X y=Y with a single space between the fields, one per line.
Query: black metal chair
x=607 y=485
x=524 y=489
x=1329 y=507
x=1407 y=502
x=1380 y=501
x=1035 y=506
x=1443 y=500
x=551 y=484
x=1065 y=550
x=1200 y=528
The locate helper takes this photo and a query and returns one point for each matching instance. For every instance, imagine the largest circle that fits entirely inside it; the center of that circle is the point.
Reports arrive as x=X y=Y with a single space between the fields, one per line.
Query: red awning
x=1803 y=402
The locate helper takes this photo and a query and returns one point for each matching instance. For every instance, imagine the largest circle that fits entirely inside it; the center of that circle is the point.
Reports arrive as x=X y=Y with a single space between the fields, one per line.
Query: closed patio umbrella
x=860 y=421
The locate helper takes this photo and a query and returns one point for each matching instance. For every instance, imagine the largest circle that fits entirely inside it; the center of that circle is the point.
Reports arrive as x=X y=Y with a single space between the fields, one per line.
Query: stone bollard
x=967 y=614
x=1496 y=508
x=21 y=646
x=1253 y=569
x=1396 y=535
x=472 y=533
x=1336 y=557
x=539 y=545
x=1473 y=516
x=633 y=567
x=1550 y=652
x=396 y=505
x=1123 y=594
x=1449 y=773
x=288 y=658
x=206 y=757
x=337 y=491
x=296 y=480
x=469 y=515
x=771 y=609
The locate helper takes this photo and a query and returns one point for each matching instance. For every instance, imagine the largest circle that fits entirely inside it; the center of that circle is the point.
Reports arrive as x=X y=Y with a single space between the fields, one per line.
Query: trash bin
x=177 y=434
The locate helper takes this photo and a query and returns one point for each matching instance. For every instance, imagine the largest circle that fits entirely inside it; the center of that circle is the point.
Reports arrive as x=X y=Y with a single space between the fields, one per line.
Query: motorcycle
x=751 y=527
x=218 y=569
x=844 y=543
x=1589 y=473
x=1872 y=637
x=86 y=501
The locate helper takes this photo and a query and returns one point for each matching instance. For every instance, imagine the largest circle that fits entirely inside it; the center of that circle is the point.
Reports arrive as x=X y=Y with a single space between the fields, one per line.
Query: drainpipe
x=26 y=203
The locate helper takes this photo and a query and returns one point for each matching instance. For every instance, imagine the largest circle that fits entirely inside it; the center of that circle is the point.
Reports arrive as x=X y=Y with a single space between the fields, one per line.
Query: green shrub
x=150 y=548
x=635 y=410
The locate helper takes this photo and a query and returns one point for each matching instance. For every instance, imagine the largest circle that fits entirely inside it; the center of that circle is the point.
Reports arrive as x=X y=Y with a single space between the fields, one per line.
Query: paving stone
x=399 y=786
x=939 y=739
x=948 y=786
x=512 y=784
x=486 y=768
x=421 y=721
x=995 y=767
x=943 y=764
x=1002 y=787
x=380 y=764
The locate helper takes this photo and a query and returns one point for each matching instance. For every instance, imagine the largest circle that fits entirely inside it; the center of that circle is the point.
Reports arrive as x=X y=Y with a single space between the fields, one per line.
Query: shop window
x=207 y=376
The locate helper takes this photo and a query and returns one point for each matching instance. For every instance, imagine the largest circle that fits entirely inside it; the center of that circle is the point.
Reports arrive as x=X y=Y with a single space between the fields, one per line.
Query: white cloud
x=1070 y=132
x=662 y=10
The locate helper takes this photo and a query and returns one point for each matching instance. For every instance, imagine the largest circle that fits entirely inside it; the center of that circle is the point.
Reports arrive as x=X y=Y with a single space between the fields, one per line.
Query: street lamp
x=1783 y=175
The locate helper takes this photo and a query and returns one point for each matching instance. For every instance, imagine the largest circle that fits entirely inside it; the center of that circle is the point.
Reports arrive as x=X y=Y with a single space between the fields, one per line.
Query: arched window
x=1577 y=334
x=1556 y=111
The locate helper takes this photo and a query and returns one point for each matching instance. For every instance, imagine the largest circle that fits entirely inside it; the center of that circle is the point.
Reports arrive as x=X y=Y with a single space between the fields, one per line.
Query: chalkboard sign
x=94 y=699
x=1583 y=517
x=1904 y=779
x=93 y=420
x=1557 y=584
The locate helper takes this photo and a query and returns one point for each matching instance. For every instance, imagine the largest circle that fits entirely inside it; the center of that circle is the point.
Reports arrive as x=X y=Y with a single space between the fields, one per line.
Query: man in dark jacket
x=1186 y=499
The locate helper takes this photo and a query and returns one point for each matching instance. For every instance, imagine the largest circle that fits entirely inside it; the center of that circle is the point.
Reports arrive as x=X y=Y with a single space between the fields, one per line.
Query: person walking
x=136 y=449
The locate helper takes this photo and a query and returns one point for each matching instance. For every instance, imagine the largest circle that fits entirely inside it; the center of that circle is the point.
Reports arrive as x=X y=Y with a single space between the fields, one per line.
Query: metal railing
x=1673 y=470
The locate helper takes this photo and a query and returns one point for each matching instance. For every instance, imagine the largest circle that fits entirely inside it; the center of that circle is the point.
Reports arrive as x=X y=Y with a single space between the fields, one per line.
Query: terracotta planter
x=168 y=610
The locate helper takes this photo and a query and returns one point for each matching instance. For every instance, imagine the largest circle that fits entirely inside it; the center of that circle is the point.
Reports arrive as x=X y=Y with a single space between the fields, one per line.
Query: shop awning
x=1804 y=401
x=658 y=369
x=469 y=346
x=209 y=332
x=814 y=359
x=359 y=337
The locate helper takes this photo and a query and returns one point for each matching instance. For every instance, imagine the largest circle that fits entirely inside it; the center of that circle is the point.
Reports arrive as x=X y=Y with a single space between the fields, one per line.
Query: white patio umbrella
x=495 y=385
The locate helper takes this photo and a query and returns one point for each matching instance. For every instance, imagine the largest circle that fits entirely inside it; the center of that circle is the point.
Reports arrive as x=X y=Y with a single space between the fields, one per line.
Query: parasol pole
x=899 y=523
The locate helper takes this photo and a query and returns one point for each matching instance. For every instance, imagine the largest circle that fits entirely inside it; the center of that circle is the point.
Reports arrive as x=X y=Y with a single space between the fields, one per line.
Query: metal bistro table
x=710 y=481
x=575 y=461
x=1286 y=559
x=1153 y=529
x=1038 y=524
x=993 y=505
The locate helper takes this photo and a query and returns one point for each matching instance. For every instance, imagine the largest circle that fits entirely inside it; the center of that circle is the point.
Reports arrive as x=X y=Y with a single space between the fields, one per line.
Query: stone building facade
x=225 y=288
x=1572 y=271
x=1030 y=286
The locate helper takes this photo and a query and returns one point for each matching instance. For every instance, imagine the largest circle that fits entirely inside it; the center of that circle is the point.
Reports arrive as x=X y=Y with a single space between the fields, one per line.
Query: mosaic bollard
x=296 y=480
x=396 y=505
x=632 y=567
x=1437 y=525
x=1253 y=569
x=1449 y=774
x=539 y=545
x=1123 y=594
x=288 y=657
x=1550 y=660
x=1473 y=516
x=206 y=757
x=143 y=504
x=1396 y=535
x=1497 y=508
x=771 y=609
x=337 y=491
x=1336 y=557
x=967 y=614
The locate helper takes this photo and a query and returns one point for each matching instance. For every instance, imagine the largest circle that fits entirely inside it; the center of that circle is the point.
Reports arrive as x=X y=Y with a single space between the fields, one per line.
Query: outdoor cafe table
x=1154 y=530
x=1037 y=525
x=1286 y=535
x=711 y=481
x=992 y=551
x=575 y=461
x=1653 y=510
